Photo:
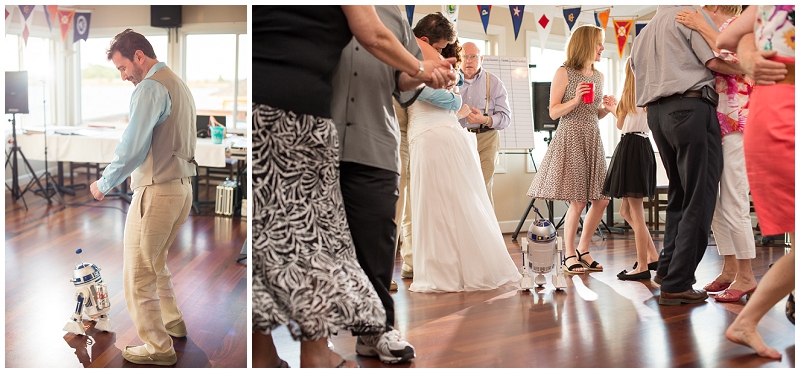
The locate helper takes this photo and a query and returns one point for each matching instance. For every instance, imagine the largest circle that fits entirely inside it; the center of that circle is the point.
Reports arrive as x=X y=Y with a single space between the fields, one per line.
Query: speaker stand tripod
x=16 y=191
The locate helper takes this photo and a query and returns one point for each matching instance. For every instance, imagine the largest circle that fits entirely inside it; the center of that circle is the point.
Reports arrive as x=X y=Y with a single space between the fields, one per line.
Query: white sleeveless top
x=636 y=122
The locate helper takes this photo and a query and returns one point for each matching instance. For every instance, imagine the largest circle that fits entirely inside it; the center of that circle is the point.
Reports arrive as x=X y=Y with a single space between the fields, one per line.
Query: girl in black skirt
x=632 y=176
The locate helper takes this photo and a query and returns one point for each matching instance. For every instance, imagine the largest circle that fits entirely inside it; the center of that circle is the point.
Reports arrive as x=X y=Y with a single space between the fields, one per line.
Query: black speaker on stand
x=541 y=122
x=17 y=103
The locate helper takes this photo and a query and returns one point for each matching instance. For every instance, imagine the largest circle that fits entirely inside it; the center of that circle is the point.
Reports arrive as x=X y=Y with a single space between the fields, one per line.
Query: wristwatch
x=421 y=70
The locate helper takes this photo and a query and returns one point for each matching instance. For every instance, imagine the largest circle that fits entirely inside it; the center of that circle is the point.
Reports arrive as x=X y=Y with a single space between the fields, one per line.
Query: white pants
x=732 y=227
x=155 y=215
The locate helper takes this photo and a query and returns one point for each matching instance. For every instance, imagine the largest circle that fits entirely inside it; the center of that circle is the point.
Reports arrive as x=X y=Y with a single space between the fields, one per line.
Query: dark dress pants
x=687 y=133
x=370 y=199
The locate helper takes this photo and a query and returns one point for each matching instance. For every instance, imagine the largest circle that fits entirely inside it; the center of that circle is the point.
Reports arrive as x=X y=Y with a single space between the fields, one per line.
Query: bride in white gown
x=458 y=245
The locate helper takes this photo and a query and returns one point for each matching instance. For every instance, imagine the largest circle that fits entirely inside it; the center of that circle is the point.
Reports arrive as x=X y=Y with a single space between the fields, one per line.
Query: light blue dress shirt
x=150 y=106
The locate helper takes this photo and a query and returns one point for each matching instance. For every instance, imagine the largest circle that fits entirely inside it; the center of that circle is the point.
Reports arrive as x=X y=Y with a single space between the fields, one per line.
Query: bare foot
x=326 y=360
x=749 y=337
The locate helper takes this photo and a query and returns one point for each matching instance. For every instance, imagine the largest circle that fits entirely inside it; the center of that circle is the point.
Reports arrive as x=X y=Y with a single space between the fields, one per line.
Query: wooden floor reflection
x=40 y=244
x=597 y=322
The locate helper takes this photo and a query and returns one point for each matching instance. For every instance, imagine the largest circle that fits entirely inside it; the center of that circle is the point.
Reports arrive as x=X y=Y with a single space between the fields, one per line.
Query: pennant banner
x=484 y=11
x=544 y=22
x=8 y=21
x=450 y=12
x=81 y=26
x=571 y=16
x=26 y=10
x=622 y=29
x=410 y=15
x=639 y=27
x=517 y=11
x=50 y=13
x=601 y=18
x=65 y=19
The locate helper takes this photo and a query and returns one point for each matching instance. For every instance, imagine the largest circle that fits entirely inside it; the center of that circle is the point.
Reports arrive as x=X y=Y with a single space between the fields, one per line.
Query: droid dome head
x=85 y=274
x=542 y=231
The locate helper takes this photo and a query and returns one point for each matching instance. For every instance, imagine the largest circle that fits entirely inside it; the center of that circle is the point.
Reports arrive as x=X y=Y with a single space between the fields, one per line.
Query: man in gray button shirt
x=369 y=141
x=671 y=63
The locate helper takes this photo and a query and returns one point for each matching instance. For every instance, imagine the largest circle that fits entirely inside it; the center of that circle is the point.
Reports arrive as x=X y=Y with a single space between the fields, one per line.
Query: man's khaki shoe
x=139 y=355
x=178 y=330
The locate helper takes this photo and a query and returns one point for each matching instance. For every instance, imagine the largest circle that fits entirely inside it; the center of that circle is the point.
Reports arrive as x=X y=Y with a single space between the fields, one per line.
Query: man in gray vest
x=487 y=97
x=362 y=109
x=673 y=81
x=157 y=151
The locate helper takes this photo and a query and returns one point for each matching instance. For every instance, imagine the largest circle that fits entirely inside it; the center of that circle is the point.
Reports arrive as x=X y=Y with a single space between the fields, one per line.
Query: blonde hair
x=627 y=101
x=733 y=10
x=582 y=46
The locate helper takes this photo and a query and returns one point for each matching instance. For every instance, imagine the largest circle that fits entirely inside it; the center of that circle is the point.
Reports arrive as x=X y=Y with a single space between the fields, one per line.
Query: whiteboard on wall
x=513 y=72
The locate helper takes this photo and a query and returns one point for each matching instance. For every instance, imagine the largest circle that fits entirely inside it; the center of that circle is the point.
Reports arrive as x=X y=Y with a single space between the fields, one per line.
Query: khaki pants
x=155 y=215
x=488 y=148
x=403 y=215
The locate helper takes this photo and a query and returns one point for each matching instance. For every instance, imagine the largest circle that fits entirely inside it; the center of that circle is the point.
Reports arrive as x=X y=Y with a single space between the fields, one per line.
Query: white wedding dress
x=458 y=245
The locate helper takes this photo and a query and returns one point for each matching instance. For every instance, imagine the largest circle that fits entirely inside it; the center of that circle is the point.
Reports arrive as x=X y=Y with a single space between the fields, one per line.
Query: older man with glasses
x=487 y=98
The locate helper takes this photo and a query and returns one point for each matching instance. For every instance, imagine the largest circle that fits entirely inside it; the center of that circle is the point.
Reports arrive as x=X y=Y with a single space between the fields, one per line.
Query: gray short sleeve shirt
x=669 y=58
x=362 y=107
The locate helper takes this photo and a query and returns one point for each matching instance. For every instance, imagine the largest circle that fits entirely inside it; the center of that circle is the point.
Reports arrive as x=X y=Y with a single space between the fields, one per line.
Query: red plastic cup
x=588 y=98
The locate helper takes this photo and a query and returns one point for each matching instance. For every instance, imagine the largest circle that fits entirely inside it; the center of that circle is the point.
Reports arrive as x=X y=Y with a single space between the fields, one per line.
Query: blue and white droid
x=91 y=296
x=539 y=248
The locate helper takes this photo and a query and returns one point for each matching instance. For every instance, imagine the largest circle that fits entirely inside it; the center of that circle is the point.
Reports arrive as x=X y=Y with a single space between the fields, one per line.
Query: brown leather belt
x=789 y=79
x=687 y=94
x=480 y=129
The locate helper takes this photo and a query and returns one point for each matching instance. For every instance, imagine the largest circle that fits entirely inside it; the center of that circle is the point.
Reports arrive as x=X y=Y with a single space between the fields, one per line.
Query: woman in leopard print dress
x=574 y=168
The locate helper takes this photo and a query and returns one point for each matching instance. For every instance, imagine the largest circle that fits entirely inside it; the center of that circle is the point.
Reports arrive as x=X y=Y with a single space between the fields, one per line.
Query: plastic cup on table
x=217 y=133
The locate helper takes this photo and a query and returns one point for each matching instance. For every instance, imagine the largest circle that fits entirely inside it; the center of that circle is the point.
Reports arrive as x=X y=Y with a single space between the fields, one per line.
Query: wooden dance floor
x=598 y=322
x=40 y=246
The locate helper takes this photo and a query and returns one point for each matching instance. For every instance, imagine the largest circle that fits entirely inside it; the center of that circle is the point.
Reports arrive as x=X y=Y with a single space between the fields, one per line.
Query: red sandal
x=732 y=295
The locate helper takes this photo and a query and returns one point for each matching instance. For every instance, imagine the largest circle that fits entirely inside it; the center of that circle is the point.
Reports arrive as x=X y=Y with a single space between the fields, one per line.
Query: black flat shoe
x=636 y=276
x=650 y=266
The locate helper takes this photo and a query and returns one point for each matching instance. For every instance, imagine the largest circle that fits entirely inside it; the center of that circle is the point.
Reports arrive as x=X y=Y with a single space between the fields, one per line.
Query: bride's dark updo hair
x=453 y=50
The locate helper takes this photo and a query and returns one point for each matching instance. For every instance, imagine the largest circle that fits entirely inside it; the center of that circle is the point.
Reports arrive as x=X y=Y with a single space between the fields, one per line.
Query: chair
x=655 y=206
x=219 y=174
x=89 y=169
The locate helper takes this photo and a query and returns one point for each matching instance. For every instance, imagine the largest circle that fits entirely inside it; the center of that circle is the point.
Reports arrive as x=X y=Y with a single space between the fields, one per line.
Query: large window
x=105 y=97
x=211 y=74
x=35 y=58
x=547 y=61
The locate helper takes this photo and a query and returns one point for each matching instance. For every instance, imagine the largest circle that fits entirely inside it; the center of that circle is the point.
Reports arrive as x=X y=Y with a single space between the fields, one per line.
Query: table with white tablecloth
x=97 y=145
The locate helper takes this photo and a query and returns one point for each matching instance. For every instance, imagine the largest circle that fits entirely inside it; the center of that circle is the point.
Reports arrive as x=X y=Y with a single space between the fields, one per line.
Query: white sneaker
x=390 y=347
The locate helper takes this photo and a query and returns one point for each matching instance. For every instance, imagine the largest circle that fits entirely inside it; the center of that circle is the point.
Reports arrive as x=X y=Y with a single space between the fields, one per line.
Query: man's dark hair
x=127 y=43
x=436 y=27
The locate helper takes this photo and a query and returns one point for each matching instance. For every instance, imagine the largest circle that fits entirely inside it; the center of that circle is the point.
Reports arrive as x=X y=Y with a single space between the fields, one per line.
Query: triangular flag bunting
x=571 y=16
x=53 y=10
x=65 y=19
x=544 y=22
x=517 y=11
x=8 y=16
x=410 y=15
x=639 y=27
x=484 y=11
x=81 y=27
x=26 y=10
x=450 y=12
x=601 y=18
x=621 y=30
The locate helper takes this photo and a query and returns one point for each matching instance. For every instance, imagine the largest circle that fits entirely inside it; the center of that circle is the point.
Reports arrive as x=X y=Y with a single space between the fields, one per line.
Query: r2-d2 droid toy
x=539 y=248
x=91 y=296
